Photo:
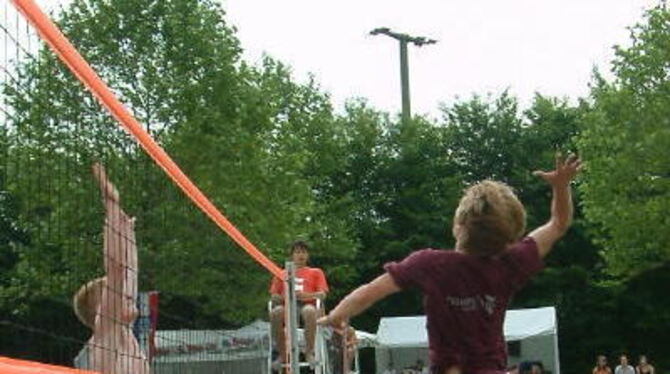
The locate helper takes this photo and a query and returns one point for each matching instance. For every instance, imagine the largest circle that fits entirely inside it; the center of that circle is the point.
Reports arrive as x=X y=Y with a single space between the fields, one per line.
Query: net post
x=292 y=319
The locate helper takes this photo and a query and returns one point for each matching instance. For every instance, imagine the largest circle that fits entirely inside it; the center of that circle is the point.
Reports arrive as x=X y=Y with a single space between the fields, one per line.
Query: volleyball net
x=86 y=248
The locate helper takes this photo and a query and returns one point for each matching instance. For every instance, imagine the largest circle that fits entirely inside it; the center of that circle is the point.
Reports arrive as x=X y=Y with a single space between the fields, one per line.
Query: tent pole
x=557 y=361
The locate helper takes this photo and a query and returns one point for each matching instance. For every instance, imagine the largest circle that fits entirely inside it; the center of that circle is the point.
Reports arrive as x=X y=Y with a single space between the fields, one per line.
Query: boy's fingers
x=571 y=159
x=574 y=160
x=575 y=166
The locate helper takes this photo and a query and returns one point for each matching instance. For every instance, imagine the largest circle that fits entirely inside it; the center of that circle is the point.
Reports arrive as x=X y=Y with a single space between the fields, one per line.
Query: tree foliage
x=248 y=135
x=626 y=140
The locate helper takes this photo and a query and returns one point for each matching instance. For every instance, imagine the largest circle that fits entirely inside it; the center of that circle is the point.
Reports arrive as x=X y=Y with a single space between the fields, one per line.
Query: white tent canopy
x=525 y=323
x=403 y=340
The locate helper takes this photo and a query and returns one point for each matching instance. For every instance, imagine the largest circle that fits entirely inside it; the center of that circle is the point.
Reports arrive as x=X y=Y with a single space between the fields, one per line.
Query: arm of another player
x=120 y=256
x=361 y=299
x=561 y=205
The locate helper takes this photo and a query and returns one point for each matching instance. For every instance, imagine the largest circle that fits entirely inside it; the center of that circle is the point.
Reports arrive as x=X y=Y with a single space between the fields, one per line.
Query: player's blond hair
x=86 y=301
x=488 y=218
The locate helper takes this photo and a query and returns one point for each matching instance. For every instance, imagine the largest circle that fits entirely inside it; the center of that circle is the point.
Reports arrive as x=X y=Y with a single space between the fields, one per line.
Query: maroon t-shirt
x=465 y=298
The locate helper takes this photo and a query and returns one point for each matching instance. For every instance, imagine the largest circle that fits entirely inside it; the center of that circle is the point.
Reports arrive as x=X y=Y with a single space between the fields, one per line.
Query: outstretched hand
x=565 y=172
x=337 y=324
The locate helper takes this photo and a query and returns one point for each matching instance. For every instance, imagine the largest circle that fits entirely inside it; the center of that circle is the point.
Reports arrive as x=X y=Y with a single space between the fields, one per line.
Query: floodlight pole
x=403 y=40
x=404 y=81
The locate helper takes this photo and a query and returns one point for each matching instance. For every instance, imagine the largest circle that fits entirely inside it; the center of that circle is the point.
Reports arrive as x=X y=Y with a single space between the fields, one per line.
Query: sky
x=484 y=46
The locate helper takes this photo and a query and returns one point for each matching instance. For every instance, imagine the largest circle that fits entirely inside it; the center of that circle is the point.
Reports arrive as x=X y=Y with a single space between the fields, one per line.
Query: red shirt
x=465 y=298
x=312 y=280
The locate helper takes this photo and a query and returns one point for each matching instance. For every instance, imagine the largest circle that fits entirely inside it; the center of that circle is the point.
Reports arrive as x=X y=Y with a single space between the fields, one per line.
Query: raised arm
x=115 y=349
x=130 y=273
x=115 y=257
x=361 y=299
x=120 y=255
x=561 y=205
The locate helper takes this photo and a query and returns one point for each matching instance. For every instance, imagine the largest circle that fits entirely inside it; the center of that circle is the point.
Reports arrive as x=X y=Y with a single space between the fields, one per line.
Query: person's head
x=643 y=360
x=623 y=360
x=299 y=253
x=537 y=368
x=525 y=367
x=87 y=300
x=488 y=218
x=601 y=361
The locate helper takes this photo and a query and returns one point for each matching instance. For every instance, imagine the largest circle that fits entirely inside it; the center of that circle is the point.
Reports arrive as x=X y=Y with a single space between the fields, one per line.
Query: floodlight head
x=380 y=30
x=421 y=41
x=405 y=38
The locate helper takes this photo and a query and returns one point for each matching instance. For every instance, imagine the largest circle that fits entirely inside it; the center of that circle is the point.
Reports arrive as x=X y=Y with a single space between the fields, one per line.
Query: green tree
x=353 y=187
x=250 y=136
x=626 y=142
x=485 y=137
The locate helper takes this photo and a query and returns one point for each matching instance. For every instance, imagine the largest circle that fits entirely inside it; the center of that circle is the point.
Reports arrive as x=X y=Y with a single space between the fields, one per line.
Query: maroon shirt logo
x=471 y=304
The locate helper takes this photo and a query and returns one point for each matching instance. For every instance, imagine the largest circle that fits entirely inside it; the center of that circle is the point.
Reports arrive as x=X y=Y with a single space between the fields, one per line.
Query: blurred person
x=467 y=290
x=624 y=367
x=601 y=366
x=537 y=367
x=644 y=367
x=311 y=284
x=107 y=305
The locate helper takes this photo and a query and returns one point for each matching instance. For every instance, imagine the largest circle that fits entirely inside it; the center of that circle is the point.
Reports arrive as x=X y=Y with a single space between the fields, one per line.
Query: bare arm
x=120 y=255
x=131 y=271
x=561 y=205
x=107 y=188
x=361 y=299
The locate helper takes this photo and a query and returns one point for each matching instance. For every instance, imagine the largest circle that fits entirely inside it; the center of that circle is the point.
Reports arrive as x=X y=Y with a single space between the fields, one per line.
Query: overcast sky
x=528 y=46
